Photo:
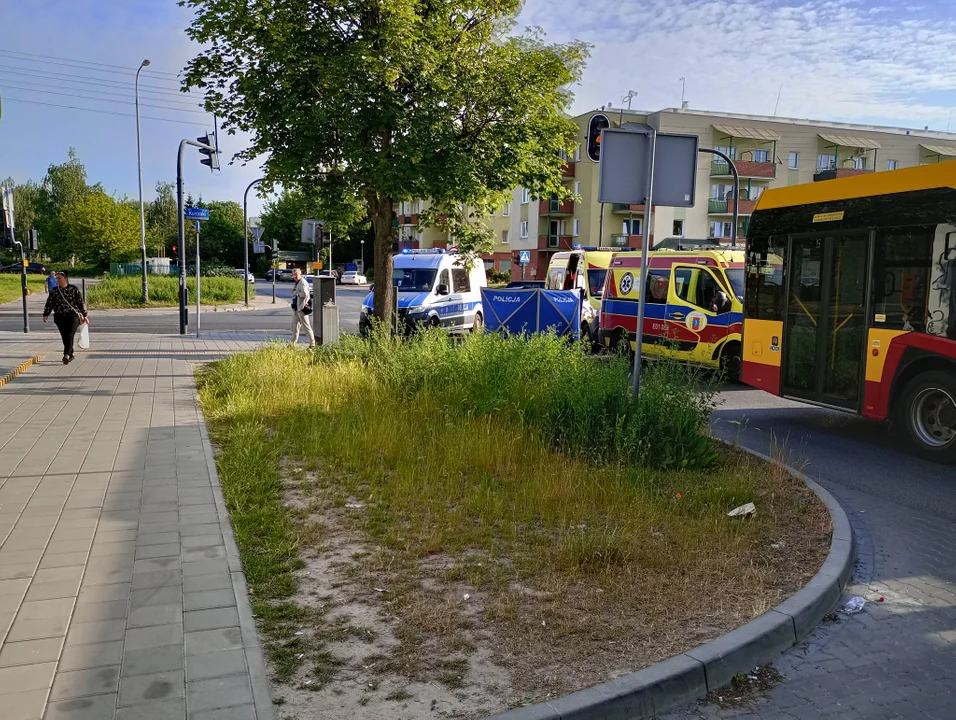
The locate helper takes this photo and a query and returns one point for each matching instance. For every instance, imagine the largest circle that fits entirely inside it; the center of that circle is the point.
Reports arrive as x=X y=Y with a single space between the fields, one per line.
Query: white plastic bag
x=84 y=340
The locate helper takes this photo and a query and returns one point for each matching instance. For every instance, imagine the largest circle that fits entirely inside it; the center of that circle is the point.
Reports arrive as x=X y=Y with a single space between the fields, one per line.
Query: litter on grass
x=743 y=510
x=853 y=605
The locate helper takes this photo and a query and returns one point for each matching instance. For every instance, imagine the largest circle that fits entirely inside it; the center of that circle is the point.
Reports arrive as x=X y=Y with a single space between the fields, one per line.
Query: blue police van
x=435 y=289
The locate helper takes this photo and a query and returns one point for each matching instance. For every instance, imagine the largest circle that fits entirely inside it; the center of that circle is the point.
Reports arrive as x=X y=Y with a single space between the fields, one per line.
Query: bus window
x=903 y=282
x=764 y=290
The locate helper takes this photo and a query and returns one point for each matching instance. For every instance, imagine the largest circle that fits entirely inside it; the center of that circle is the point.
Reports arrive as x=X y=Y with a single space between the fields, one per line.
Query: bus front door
x=825 y=331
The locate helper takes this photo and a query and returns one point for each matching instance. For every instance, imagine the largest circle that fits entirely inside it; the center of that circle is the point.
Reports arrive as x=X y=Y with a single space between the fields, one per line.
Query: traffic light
x=212 y=152
x=175 y=256
x=597 y=123
x=34 y=237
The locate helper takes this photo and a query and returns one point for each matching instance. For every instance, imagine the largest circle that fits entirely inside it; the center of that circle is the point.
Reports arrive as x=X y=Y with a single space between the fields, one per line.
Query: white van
x=435 y=289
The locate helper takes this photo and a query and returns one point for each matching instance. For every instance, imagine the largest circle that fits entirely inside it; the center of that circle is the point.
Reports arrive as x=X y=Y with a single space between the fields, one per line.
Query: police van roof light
x=423 y=251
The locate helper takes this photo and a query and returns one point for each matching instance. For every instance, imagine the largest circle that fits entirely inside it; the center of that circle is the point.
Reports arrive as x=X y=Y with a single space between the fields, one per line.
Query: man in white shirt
x=301 y=294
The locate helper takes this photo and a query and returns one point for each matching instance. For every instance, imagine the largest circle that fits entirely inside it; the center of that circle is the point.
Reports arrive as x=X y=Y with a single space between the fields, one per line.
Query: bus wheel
x=927 y=411
x=730 y=363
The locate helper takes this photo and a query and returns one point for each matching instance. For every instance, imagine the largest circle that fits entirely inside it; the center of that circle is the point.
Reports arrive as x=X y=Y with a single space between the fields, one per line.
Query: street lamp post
x=139 y=160
x=362 y=243
x=245 y=244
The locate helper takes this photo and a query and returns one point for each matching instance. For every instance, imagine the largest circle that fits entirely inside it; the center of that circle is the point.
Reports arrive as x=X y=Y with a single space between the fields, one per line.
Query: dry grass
x=575 y=571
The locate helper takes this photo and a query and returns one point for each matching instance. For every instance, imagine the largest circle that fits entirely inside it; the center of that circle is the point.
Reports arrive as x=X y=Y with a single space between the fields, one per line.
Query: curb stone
x=691 y=675
x=258 y=675
x=19 y=369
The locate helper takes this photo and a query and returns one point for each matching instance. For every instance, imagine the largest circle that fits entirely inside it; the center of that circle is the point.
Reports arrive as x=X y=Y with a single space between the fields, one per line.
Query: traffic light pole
x=182 y=231
x=245 y=238
x=23 y=280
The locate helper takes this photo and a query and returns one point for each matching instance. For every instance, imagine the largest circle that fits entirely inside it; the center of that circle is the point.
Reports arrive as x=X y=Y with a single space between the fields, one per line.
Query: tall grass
x=127 y=291
x=583 y=405
x=529 y=464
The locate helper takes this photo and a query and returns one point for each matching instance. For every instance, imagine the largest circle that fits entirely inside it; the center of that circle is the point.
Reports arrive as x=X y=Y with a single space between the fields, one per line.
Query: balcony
x=726 y=207
x=631 y=241
x=407 y=220
x=625 y=209
x=834 y=173
x=745 y=169
x=567 y=170
x=555 y=242
x=555 y=207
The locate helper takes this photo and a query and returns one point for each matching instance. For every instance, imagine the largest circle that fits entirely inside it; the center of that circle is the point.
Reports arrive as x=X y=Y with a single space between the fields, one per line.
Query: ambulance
x=693 y=305
x=435 y=289
x=583 y=268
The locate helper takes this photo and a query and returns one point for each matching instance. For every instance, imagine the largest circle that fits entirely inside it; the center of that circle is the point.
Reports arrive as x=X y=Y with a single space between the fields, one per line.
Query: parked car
x=32 y=269
x=353 y=277
x=242 y=273
x=524 y=284
x=285 y=275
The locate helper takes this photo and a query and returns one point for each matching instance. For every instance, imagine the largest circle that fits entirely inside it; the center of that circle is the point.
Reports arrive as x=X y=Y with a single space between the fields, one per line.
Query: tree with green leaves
x=390 y=100
x=64 y=185
x=101 y=229
x=162 y=219
x=221 y=238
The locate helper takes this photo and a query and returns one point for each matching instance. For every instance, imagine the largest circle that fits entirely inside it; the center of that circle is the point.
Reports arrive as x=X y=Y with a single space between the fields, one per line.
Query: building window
x=755 y=192
x=761 y=156
x=505 y=266
x=525 y=196
x=721 y=192
x=892 y=164
x=720 y=230
x=727 y=150
x=859 y=163
x=506 y=210
x=504 y=237
x=577 y=188
x=524 y=228
x=577 y=152
x=631 y=227
x=793 y=162
x=577 y=227
x=826 y=162
x=678 y=228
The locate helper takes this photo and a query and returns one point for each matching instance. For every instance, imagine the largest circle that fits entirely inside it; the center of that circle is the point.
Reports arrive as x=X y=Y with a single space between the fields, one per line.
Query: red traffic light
x=174 y=248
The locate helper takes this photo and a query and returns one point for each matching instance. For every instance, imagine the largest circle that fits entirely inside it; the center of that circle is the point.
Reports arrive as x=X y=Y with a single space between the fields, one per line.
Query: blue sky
x=872 y=61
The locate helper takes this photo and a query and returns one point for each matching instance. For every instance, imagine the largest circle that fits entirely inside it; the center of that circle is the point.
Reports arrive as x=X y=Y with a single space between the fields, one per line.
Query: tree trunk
x=380 y=212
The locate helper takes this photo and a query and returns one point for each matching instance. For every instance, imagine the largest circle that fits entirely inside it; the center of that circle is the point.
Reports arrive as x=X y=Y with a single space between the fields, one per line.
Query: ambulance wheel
x=927 y=414
x=479 y=323
x=730 y=363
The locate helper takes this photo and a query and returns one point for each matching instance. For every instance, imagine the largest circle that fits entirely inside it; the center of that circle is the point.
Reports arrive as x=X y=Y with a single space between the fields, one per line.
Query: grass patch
x=505 y=486
x=11 y=288
x=127 y=291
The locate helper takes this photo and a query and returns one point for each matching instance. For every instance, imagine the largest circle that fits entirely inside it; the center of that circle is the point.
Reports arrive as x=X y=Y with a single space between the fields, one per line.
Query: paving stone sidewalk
x=121 y=592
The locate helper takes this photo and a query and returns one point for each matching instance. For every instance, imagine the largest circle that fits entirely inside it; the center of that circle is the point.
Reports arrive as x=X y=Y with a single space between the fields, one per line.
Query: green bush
x=581 y=404
x=497 y=277
x=127 y=292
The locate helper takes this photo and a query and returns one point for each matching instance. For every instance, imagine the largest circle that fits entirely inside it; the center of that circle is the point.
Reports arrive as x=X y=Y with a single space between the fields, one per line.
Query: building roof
x=851 y=141
x=945 y=151
x=748 y=132
x=746 y=120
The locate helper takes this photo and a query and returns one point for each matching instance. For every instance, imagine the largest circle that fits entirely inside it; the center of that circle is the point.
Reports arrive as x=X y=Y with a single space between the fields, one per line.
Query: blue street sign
x=197 y=214
x=524 y=257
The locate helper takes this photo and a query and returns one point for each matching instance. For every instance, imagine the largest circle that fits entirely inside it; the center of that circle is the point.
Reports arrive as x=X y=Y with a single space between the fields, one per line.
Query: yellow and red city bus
x=850 y=299
x=693 y=305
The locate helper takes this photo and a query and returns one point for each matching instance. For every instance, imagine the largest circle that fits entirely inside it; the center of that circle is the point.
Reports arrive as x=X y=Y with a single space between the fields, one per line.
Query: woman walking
x=69 y=310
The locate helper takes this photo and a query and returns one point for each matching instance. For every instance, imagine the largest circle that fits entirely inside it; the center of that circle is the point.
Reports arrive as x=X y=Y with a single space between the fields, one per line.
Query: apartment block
x=767 y=152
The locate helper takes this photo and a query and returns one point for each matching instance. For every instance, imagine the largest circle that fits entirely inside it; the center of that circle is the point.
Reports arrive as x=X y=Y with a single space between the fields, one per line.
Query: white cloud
x=836 y=60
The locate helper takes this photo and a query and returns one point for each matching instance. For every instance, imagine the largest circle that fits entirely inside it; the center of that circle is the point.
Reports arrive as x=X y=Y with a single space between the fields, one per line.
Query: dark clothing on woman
x=67 y=325
x=65 y=301
x=67 y=307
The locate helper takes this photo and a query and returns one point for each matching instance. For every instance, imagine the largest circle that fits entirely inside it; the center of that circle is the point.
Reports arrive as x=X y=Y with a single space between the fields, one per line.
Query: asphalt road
x=838 y=449
x=266 y=319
